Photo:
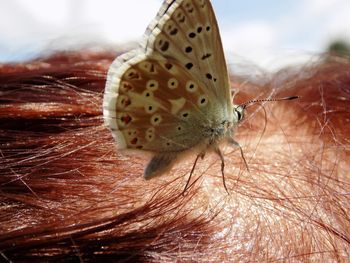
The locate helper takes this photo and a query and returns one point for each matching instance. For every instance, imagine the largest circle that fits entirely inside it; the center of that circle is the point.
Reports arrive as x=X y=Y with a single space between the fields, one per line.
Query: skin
x=67 y=194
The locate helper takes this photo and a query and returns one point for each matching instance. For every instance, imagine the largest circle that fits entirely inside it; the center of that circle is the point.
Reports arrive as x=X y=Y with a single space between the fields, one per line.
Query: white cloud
x=295 y=38
x=28 y=27
x=339 y=23
x=320 y=7
x=326 y=20
x=250 y=40
x=51 y=12
x=247 y=35
x=121 y=20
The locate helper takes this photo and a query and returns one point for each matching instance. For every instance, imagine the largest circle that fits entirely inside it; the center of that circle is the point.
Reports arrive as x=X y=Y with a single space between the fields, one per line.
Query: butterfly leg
x=217 y=150
x=159 y=164
x=233 y=142
x=201 y=155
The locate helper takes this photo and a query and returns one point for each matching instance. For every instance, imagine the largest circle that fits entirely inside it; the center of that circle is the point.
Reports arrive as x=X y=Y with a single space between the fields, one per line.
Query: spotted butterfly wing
x=188 y=32
x=166 y=96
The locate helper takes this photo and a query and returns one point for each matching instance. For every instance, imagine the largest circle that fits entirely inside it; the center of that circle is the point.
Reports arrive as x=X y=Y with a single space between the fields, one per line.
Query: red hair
x=67 y=194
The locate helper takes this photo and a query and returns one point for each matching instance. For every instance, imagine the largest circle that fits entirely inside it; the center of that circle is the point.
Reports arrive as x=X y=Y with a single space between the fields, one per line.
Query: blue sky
x=268 y=33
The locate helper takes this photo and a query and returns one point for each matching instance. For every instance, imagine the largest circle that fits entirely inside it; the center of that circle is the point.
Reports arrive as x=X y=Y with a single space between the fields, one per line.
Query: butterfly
x=172 y=95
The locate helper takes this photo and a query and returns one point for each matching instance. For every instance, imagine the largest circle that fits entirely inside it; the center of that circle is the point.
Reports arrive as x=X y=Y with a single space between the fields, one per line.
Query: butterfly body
x=172 y=95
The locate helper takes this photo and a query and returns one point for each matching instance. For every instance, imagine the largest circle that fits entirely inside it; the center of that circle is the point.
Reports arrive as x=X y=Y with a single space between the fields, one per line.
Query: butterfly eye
x=239 y=112
x=239 y=115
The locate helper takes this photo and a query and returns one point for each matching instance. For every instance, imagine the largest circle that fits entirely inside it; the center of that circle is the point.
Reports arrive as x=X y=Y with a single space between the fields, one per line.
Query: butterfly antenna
x=250 y=102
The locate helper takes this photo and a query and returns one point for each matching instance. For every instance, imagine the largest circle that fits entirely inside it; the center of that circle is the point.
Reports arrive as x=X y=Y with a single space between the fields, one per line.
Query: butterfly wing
x=165 y=96
x=187 y=31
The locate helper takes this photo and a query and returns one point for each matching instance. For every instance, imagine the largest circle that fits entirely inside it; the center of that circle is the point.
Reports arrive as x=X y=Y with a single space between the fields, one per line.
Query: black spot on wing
x=188 y=49
x=164 y=46
x=205 y=56
x=189 y=65
x=168 y=66
x=192 y=35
